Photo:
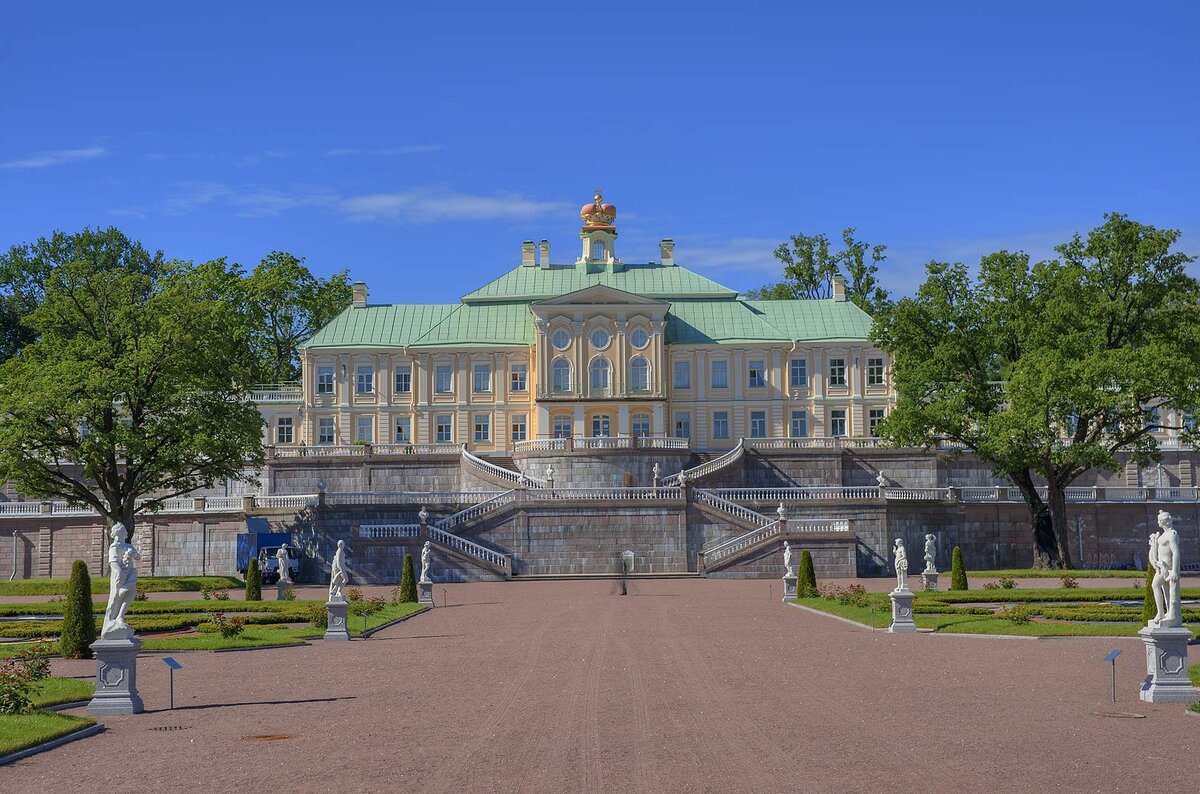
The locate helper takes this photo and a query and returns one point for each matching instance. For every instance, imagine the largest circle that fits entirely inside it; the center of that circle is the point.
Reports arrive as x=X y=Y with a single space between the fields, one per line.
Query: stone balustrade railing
x=715 y=552
x=604 y=494
x=361 y=450
x=471 y=549
x=276 y=393
x=389 y=531
x=587 y=443
x=499 y=474
x=476 y=511
x=729 y=507
x=806 y=493
x=347 y=499
x=709 y=467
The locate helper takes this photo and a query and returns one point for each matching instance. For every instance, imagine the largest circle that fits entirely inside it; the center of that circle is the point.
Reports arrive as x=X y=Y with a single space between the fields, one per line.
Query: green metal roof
x=484 y=325
x=815 y=319
x=392 y=325
x=717 y=321
x=651 y=280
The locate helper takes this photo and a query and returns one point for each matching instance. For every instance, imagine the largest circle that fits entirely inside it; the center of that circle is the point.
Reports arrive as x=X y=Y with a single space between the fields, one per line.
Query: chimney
x=544 y=253
x=359 y=295
x=839 y=289
x=666 y=251
x=527 y=250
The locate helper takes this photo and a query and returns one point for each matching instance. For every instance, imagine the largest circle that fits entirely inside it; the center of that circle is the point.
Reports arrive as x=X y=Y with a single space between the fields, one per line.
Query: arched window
x=597 y=249
x=561 y=377
x=641 y=425
x=599 y=378
x=639 y=374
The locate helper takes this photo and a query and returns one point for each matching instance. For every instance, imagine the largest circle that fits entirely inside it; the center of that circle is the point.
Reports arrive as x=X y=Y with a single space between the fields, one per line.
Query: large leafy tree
x=810 y=265
x=130 y=388
x=287 y=304
x=1049 y=370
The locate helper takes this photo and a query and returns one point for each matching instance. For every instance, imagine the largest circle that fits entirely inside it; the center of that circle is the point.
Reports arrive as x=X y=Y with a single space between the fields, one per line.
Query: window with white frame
x=326 y=430
x=404 y=379
x=600 y=339
x=639 y=374
x=364 y=430
x=875 y=371
x=874 y=417
x=720 y=424
x=519 y=378
x=837 y=372
x=719 y=374
x=758 y=374
x=799 y=426
x=443 y=427
x=403 y=433
x=562 y=426
x=364 y=379
x=758 y=424
x=561 y=340
x=443 y=379
x=798 y=373
x=599 y=376
x=520 y=427
x=284 y=428
x=601 y=426
x=639 y=338
x=837 y=422
x=683 y=375
x=483 y=427
x=561 y=375
x=683 y=424
x=324 y=380
x=641 y=425
x=482 y=378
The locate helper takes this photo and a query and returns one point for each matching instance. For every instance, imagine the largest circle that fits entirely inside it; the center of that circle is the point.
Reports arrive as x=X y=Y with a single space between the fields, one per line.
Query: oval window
x=561 y=340
x=599 y=339
x=639 y=338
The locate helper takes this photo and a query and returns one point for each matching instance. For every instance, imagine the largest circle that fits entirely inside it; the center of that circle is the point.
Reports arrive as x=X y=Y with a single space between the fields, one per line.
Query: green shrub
x=1069 y=583
x=1008 y=583
x=1017 y=614
x=1149 y=608
x=21 y=677
x=991 y=585
x=854 y=596
x=806 y=584
x=227 y=627
x=288 y=594
x=318 y=616
x=253 y=582
x=79 y=625
x=958 y=573
x=408 y=582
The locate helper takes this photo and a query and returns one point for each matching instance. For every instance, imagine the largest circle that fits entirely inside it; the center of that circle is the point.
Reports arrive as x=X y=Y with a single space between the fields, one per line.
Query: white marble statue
x=901 y=565
x=682 y=478
x=881 y=479
x=788 y=570
x=549 y=472
x=423 y=516
x=122 y=586
x=337 y=573
x=426 y=558
x=931 y=554
x=657 y=472
x=1164 y=556
x=781 y=512
x=285 y=565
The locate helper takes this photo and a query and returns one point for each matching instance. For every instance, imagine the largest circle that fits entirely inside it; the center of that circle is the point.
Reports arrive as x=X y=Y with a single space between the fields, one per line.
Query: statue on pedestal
x=781 y=512
x=426 y=557
x=901 y=565
x=931 y=554
x=882 y=479
x=284 y=562
x=657 y=471
x=337 y=573
x=1164 y=557
x=423 y=516
x=122 y=585
x=788 y=570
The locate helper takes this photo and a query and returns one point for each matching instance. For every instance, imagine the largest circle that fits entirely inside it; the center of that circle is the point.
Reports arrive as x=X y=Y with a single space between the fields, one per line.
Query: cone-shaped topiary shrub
x=408 y=581
x=253 y=582
x=1149 y=608
x=806 y=584
x=79 y=624
x=958 y=574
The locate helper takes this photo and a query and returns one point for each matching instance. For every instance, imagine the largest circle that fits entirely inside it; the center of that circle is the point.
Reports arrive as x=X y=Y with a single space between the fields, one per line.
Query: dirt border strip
x=82 y=733
x=366 y=635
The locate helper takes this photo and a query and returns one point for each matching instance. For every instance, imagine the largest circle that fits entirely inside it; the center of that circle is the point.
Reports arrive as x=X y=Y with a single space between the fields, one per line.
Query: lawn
x=151 y=584
x=55 y=691
x=18 y=731
x=1043 y=573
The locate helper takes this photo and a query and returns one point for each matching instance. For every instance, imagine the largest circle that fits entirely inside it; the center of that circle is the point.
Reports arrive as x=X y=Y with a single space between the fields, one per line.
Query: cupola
x=599 y=236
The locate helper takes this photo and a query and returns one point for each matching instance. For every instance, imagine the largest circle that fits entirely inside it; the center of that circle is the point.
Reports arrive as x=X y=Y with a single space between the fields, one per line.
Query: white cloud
x=432 y=206
x=746 y=254
x=56 y=157
x=423 y=148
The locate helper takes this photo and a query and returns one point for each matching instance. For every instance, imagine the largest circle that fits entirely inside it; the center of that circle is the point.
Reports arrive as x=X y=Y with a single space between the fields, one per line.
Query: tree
x=79 y=622
x=809 y=268
x=408 y=582
x=958 y=572
x=1149 y=606
x=807 y=585
x=287 y=304
x=253 y=581
x=126 y=393
x=1050 y=370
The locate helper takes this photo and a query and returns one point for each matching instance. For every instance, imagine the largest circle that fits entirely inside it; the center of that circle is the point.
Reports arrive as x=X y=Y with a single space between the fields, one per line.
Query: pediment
x=600 y=295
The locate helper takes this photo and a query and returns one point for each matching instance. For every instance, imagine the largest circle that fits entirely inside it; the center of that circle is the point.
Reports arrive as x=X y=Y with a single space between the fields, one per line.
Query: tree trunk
x=1058 y=520
x=1045 y=546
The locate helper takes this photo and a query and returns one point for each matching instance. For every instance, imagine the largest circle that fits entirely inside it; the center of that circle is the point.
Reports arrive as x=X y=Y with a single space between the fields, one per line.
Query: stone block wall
x=832 y=559
x=596 y=469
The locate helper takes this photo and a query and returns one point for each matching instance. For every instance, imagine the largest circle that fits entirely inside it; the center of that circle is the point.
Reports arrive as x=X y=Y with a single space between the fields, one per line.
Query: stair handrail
x=722 y=549
x=709 y=467
x=499 y=472
x=468 y=548
x=475 y=511
x=728 y=506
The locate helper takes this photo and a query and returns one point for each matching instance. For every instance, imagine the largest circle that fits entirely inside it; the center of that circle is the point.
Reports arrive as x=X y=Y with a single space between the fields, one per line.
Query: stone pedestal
x=789 y=587
x=336 y=612
x=116 y=678
x=929 y=581
x=902 y=612
x=1167 y=666
x=280 y=587
x=425 y=593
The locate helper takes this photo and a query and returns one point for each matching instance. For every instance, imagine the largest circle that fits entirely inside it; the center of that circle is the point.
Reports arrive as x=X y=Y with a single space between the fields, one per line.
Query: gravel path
x=694 y=685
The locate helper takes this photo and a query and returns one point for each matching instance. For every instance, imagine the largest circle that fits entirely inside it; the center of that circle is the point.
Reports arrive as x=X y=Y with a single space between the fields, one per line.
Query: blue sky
x=417 y=145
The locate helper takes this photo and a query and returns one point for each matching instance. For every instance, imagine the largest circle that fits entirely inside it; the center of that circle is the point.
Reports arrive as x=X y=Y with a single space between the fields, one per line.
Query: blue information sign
x=169 y=662
x=1112 y=656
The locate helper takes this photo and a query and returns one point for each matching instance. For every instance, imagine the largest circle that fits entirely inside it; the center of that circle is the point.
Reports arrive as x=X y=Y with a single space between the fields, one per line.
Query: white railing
x=973 y=493
x=732 y=508
x=286 y=500
x=714 y=465
x=798 y=494
x=476 y=511
x=20 y=508
x=603 y=442
x=493 y=472
x=723 y=549
x=386 y=531
x=347 y=499
x=1123 y=494
x=223 y=503
x=1176 y=494
x=599 y=443
x=276 y=393
x=322 y=451
x=811 y=442
x=662 y=442
x=916 y=494
x=1080 y=494
x=541 y=445
x=468 y=548
x=436 y=448
x=605 y=494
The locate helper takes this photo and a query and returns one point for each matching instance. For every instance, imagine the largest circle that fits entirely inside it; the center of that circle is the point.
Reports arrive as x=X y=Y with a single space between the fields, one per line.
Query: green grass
x=1036 y=573
x=1194 y=674
x=56 y=690
x=152 y=584
x=1030 y=595
x=19 y=731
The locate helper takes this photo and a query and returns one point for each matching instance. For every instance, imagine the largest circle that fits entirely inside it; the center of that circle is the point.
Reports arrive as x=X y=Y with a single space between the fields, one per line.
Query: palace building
x=594 y=348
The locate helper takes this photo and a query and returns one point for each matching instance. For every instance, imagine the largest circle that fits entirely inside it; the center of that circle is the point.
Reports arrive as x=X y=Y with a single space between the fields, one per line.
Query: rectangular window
x=283 y=430
x=874 y=417
x=562 y=426
x=601 y=426
x=519 y=427
x=364 y=430
x=483 y=427
x=443 y=426
x=758 y=424
x=520 y=377
x=683 y=375
x=403 y=430
x=758 y=374
x=364 y=379
x=482 y=381
x=874 y=371
x=326 y=432
x=641 y=425
x=799 y=424
x=324 y=380
x=404 y=379
x=562 y=376
x=683 y=425
x=443 y=382
x=720 y=424
x=720 y=375
x=837 y=372
x=837 y=422
x=798 y=373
